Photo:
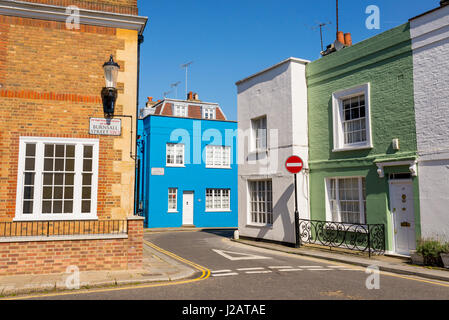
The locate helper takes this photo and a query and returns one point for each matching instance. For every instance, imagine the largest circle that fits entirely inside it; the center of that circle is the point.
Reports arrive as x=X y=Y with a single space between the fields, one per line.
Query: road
x=241 y=272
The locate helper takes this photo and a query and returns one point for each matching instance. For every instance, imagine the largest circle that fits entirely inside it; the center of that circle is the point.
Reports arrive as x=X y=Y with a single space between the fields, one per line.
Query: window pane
x=68 y=206
x=48 y=165
x=49 y=150
x=88 y=151
x=28 y=207
x=48 y=192
x=87 y=179
x=57 y=207
x=59 y=179
x=29 y=164
x=69 y=179
x=87 y=165
x=70 y=165
x=29 y=179
x=68 y=193
x=46 y=207
x=30 y=150
x=57 y=193
x=85 y=207
x=86 y=193
x=28 y=193
x=70 y=151
x=48 y=179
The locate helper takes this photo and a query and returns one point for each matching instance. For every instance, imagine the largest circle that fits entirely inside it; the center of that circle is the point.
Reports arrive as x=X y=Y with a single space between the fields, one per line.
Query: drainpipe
x=136 y=167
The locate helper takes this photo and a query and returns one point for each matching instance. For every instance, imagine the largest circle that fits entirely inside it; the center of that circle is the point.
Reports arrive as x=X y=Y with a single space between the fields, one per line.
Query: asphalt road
x=240 y=272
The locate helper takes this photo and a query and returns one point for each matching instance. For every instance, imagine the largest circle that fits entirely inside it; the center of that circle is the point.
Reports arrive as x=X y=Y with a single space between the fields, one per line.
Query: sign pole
x=298 y=244
x=295 y=165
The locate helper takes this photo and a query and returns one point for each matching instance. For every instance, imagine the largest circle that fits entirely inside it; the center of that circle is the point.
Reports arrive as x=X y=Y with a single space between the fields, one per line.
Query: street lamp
x=109 y=93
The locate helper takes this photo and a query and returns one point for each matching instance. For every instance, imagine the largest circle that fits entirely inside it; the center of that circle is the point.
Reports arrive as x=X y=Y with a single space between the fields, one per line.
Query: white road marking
x=254 y=272
x=238 y=255
x=287 y=270
x=250 y=269
x=307 y=267
x=225 y=274
x=336 y=267
x=221 y=271
x=321 y=269
x=280 y=267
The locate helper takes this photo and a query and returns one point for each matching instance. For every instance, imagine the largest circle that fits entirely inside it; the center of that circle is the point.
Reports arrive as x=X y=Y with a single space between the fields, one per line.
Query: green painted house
x=362 y=138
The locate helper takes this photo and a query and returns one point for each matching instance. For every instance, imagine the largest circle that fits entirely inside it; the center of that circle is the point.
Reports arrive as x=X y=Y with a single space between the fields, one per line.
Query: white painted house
x=430 y=43
x=272 y=117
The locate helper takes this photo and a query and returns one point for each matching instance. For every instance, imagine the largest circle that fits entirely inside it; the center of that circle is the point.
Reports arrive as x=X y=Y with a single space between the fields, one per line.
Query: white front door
x=403 y=213
x=187 y=208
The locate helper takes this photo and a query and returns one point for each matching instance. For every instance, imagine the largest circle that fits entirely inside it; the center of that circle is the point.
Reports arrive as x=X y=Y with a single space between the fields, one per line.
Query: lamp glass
x=111 y=75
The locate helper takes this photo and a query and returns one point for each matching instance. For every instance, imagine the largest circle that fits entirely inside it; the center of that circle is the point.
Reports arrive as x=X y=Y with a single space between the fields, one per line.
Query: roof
x=425 y=13
x=291 y=59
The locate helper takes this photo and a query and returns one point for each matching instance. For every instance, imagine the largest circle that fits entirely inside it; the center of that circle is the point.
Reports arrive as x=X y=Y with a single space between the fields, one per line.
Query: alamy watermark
x=373 y=280
x=72 y=282
x=373 y=20
x=73 y=19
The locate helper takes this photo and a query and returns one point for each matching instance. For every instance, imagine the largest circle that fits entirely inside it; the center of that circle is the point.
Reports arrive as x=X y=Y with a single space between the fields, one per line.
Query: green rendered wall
x=386 y=62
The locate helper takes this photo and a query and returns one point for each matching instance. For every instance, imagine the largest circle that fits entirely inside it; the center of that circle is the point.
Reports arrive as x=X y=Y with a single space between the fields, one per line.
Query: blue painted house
x=188 y=167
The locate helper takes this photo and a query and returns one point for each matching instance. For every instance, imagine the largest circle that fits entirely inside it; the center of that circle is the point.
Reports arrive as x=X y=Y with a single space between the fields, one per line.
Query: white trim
x=413 y=167
x=37 y=214
x=215 y=149
x=337 y=116
x=87 y=17
x=176 y=146
x=221 y=200
x=175 y=210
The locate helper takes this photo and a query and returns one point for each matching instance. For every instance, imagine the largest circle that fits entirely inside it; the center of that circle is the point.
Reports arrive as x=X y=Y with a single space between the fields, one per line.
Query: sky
x=229 y=40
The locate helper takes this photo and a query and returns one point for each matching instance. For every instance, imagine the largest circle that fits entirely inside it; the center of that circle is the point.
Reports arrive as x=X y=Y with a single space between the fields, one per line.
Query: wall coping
x=135 y=218
x=64 y=238
x=57 y=13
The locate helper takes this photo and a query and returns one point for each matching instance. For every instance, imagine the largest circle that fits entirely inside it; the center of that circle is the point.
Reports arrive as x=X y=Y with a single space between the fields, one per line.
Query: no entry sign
x=294 y=164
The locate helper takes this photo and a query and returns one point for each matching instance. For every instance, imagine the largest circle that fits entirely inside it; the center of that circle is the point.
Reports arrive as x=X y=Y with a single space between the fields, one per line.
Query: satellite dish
x=338 y=45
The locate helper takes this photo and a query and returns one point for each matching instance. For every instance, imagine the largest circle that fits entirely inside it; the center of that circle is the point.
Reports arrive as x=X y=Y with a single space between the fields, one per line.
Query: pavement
x=158 y=267
x=398 y=265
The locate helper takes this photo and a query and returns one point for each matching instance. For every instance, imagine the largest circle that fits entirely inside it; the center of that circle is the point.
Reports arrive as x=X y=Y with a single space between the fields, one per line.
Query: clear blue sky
x=229 y=40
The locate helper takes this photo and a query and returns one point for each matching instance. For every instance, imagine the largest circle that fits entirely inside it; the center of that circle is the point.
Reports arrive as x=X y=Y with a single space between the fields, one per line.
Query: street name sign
x=105 y=127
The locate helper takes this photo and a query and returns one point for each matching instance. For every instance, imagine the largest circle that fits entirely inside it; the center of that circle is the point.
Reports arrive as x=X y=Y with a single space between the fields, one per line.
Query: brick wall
x=116 y=6
x=45 y=257
x=51 y=79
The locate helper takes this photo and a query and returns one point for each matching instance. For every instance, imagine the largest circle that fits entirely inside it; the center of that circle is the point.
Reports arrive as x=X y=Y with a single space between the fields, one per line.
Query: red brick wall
x=88 y=255
x=51 y=81
x=116 y=6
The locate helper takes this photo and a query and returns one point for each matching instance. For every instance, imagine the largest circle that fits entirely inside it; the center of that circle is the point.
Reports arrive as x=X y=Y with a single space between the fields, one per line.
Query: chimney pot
x=341 y=37
x=190 y=96
x=348 y=39
x=150 y=99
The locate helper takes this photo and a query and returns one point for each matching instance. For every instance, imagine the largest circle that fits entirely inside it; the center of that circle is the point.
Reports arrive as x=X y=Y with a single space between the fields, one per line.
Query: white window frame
x=176 y=200
x=209 y=111
x=37 y=214
x=362 y=201
x=220 y=150
x=249 y=202
x=181 y=110
x=221 y=209
x=338 y=116
x=255 y=131
x=176 y=146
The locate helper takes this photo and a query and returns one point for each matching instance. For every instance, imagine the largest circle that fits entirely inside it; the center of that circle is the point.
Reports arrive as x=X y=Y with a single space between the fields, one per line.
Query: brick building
x=54 y=173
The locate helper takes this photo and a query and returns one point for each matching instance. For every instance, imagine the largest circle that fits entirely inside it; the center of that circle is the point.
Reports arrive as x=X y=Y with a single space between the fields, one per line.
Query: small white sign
x=105 y=127
x=157 y=171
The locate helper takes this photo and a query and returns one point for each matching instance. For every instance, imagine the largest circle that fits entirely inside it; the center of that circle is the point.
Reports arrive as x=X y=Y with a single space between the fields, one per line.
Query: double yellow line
x=205 y=273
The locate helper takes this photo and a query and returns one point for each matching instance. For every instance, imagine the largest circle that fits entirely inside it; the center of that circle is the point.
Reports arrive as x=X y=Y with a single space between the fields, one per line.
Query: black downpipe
x=136 y=191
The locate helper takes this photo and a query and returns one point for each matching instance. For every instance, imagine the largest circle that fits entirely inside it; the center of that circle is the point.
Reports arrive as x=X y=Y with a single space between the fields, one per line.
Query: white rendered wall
x=430 y=42
x=281 y=95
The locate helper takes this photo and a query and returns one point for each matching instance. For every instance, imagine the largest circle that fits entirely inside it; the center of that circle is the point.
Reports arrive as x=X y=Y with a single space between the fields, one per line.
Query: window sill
x=259 y=225
x=175 y=165
x=353 y=148
x=215 y=167
x=215 y=211
x=43 y=218
x=172 y=211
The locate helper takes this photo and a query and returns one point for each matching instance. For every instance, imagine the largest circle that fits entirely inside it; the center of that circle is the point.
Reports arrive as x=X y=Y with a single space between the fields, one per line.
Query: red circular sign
x=294 y=164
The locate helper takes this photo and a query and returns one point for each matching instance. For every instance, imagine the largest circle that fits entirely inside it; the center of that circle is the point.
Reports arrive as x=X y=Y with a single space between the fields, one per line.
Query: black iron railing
x=360 y=237
x=62 y=228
